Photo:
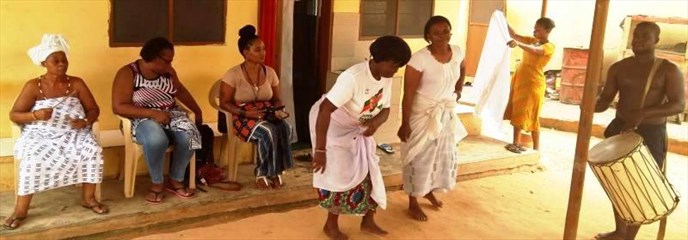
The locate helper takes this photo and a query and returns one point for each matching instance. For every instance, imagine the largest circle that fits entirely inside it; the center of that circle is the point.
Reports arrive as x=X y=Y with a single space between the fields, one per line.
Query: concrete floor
x=57 y=213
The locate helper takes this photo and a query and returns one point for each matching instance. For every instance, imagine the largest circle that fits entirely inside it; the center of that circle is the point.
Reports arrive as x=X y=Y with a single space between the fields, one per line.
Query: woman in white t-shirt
x=342 y=124
x=430 y=128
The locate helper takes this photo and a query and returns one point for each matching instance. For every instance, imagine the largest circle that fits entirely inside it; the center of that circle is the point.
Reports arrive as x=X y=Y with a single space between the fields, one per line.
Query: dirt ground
x=529 y=205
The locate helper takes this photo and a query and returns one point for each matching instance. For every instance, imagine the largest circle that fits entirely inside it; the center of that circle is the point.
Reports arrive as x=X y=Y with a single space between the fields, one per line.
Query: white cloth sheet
x=492 y=79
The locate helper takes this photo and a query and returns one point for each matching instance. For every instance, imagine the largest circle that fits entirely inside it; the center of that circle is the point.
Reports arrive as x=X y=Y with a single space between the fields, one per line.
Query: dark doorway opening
x=311 y=57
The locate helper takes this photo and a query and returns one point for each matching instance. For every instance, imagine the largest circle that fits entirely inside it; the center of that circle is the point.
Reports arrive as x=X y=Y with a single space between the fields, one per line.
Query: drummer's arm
x=608 y=92
x=674 y=91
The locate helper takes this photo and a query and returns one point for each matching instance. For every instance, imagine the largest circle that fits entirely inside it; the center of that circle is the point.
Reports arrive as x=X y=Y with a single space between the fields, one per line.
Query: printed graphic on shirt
x=370 y=105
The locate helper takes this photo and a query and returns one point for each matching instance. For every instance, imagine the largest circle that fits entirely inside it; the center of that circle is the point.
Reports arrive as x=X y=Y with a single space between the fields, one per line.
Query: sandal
x=175 y=190
x=157 y=197
x=386 y=148
x=97 y=208
x=277 y=182
x=266 y=185
x=228 y=186
x=522 y=148
x=14 y=222
x=513 y=148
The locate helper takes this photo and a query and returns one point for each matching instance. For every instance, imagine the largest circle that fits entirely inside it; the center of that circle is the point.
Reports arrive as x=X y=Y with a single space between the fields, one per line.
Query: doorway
x=311 y=58
x=480 y=12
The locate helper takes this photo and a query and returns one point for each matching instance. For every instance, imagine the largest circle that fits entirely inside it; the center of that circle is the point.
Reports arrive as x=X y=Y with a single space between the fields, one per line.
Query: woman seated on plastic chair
x=146 y=91
x=250 y=91
x=56 y=147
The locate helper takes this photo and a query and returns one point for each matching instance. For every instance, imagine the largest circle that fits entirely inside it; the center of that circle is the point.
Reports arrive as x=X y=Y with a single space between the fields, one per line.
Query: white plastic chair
x=232 y=144
x=133 y=151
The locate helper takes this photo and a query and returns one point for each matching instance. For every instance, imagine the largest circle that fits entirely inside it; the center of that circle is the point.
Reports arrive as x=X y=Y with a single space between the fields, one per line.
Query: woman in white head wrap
x=56 y=147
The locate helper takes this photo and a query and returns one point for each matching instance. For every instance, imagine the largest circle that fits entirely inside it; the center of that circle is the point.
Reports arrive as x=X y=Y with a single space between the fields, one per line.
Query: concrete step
x=57 y=213
x=565 y=117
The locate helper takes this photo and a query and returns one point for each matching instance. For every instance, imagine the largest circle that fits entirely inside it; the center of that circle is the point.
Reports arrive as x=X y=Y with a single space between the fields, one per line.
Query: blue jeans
x=155 y=141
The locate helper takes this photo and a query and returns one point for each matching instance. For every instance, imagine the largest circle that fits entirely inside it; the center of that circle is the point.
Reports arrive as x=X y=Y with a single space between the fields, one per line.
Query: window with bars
x=404 y=18
x=183 y=22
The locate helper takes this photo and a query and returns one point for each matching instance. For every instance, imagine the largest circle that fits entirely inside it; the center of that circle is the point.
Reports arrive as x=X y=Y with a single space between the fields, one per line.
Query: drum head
x=614 y=148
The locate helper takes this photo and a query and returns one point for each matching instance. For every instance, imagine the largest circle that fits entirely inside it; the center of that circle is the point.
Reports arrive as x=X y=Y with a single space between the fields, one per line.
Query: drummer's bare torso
x=631 y=75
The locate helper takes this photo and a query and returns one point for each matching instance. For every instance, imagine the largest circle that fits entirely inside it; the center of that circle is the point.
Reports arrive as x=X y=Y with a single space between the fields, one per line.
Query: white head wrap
x=49 y=44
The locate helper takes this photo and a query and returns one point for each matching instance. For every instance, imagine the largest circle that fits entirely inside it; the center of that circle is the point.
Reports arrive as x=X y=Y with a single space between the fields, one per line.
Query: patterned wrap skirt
x=355 y=201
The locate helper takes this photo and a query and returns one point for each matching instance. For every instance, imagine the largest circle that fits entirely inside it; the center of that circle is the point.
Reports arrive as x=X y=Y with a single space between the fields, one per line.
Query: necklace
x=40 y=89
x=254 y=84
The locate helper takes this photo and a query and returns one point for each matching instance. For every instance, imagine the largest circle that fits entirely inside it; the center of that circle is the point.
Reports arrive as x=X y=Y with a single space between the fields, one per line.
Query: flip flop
x=17 y=220
x=155 y=200
x=513 y=148
x=386 y=148
x=175 y=191
x=103 y=208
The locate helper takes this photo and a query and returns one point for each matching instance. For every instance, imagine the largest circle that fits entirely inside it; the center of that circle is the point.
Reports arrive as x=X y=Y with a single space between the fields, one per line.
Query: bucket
x=573 y=72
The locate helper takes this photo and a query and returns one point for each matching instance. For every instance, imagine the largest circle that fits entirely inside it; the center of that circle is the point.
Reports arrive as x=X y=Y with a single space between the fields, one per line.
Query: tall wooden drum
x=638 y=190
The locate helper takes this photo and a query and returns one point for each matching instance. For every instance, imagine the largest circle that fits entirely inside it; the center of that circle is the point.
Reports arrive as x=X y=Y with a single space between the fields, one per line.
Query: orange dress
x=528 y=89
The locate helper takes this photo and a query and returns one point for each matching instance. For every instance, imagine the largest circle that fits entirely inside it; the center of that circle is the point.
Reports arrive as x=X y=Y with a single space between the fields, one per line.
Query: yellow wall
x=85 y=25
x=351 y=6
x=454 y=10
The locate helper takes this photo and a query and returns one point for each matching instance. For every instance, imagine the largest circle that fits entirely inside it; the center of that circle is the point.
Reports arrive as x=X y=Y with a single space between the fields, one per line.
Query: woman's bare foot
x=333 y=232
x=13 y=222
x=417 y=213
x=615 y=235
x=368 y=225
x=435 y=203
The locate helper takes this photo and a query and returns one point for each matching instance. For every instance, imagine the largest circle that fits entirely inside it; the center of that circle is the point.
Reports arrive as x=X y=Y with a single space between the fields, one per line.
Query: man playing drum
x=664 y=98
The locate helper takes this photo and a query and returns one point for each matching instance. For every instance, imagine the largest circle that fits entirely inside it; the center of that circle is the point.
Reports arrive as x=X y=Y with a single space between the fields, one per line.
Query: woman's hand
x=371 y=127
x=78 y=123
x=161 y=117
x=43 y=114
x=404 y=132
x=319 y=161
x=512 y=44
x=255 y=114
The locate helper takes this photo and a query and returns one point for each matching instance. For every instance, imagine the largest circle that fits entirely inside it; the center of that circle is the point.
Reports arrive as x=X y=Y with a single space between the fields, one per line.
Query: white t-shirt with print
x=359 y=93
x=439 y=79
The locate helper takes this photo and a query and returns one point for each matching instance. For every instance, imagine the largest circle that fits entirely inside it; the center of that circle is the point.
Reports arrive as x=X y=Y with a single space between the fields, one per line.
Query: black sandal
x=522 y=148
x=513 y=148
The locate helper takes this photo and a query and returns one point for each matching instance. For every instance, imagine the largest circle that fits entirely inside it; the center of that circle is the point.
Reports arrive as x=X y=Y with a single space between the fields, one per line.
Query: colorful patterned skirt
x=356 y=201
